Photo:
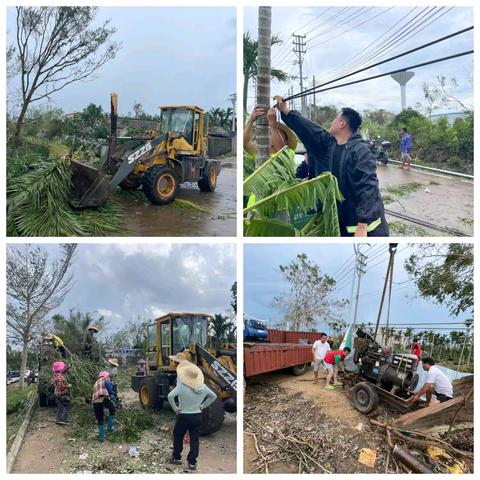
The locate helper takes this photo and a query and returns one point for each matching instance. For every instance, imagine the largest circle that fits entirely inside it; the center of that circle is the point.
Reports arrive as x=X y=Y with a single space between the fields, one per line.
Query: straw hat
x=58 y=367
x=48 y=336
x=93 y=327
x=190 y=375
x=179 y=357
x=291 y=137
x=103 y=374
x=113 y=361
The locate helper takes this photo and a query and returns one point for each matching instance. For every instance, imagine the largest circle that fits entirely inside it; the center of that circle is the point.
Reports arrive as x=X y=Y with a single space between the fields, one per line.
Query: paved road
x=442 y=200
x=144 y=219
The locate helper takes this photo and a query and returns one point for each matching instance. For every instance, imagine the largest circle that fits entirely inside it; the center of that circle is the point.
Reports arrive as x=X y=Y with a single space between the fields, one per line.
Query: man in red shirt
x=333 y=361
x=416 y=350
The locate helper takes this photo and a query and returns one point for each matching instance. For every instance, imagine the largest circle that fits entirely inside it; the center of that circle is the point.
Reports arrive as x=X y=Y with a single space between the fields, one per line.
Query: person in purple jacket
x=405 y=148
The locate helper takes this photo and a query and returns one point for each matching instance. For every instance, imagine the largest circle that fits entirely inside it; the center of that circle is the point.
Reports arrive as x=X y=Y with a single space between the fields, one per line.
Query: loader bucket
x=90 y=187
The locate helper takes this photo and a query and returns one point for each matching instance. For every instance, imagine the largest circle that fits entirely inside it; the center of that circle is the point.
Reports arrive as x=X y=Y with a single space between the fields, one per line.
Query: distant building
x=450 y=116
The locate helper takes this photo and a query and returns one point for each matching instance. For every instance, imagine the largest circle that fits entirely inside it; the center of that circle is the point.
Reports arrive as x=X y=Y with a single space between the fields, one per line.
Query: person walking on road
x=193 y=397
x=61 y=392
x=334 y=361
x=103 y=397
x=343 y=153
x=319 y=349
x=405 y=149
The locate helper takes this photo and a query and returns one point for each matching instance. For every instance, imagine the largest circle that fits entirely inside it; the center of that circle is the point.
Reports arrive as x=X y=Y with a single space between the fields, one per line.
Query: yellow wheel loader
x=187 y=333
x=159 y=162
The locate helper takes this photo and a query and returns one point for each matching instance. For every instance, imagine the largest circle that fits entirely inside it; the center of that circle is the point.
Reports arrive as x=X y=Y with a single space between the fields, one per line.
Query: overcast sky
x=263 y=281
x=350 y=32
x=170 y=56
x=123 y=281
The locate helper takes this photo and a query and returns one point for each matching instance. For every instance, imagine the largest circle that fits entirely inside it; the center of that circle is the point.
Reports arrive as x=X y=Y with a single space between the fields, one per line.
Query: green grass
x=466 y=221
x=16 y=403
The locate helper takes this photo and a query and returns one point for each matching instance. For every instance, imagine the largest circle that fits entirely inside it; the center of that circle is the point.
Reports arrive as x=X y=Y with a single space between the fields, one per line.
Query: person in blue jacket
x=405 y=148
x=342 y=152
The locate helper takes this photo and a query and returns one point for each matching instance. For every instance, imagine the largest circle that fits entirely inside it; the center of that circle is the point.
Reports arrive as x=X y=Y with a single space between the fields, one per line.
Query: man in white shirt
x=319 y=349
x=437 y=383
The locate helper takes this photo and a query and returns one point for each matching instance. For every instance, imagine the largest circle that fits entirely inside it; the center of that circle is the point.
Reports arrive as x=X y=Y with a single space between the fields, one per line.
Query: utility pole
x=314 y=97
x=300 y=49
x=360 y=265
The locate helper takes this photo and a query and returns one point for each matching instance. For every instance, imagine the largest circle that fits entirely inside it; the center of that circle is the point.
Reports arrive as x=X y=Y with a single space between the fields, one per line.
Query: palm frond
x=255 y=227
x=270 y=176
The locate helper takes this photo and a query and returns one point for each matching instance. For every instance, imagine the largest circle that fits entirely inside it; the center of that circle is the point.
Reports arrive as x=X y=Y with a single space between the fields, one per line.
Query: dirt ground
x=147 y=220
x=443 y=200
x=48 y=448
x=295 y=426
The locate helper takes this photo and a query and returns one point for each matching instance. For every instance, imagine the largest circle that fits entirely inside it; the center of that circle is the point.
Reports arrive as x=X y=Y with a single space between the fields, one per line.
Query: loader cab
x=189 y=122
x=174 y=333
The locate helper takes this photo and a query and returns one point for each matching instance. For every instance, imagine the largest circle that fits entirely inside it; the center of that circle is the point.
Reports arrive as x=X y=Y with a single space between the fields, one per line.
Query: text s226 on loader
x=158 y=163
x=187 y=333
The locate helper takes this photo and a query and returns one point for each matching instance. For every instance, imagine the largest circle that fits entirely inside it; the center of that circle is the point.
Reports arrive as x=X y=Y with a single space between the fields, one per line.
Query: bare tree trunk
x=23 y=367
x=263 y=81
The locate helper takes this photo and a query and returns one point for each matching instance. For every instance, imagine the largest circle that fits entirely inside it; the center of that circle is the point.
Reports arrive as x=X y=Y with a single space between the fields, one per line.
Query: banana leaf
x=303 y=196
x=269 y=177
x=255 y=227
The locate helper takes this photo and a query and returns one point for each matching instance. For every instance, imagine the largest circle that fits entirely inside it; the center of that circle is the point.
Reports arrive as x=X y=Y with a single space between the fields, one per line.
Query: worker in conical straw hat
x=89 y=340
x=113 y=364
x=57 y=343
x=187 y=400
x=103 y=397
x=61 y=392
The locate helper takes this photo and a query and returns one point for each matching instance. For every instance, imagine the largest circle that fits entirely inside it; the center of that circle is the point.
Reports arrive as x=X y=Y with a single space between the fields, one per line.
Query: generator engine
x=385 y=368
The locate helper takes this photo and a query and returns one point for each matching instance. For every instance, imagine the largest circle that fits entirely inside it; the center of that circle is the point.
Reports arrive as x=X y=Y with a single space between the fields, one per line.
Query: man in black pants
x=343 y=153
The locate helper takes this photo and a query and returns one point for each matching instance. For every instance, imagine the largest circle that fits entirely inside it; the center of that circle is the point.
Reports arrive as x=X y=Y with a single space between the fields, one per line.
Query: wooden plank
x=438 y=414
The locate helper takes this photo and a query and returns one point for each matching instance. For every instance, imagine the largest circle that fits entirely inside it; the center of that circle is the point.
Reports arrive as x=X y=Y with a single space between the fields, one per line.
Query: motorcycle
x=380 y=150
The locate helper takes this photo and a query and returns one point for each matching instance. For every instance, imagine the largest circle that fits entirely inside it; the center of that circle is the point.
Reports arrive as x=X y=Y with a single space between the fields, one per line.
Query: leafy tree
x=35 y=287
x=233 y=302
x=72 y=329
x=250 y=64
x=309 y=297
x=323 y=114
x=56 y=47
x=222 y=330
x=444 y=274
x=442 y=95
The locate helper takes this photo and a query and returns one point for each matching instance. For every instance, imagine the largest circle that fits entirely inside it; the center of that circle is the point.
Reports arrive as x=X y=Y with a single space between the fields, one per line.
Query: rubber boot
x=101 y=433
x=111 y=419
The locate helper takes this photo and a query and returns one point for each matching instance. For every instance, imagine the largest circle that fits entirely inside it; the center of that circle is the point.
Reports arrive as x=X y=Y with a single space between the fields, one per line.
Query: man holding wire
x=343 y=153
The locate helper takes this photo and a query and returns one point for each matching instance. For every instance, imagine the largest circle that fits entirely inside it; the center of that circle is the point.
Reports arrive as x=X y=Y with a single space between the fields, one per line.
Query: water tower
x=402 y=78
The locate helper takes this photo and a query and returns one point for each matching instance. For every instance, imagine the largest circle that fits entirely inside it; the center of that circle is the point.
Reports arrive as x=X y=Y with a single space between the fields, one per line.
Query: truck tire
x=132 y=182
x=209 y=180
x=212 y=418
x=160 y=184
x=364 y=397
x=299 y=369
x=148 y=394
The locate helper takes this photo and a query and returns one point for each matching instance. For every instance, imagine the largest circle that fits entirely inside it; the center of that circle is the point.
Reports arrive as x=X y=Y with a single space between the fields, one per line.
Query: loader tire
x=148 y=394
x=209 y=180
x=364 y=397
x=299 y=369
x=212 y=418
x=160 y=184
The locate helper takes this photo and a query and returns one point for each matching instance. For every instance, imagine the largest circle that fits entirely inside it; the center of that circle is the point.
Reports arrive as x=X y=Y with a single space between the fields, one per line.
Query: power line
x=350 y=28
x=333 y=17
x=408 y=52
x=373 y=77
x=317 y=17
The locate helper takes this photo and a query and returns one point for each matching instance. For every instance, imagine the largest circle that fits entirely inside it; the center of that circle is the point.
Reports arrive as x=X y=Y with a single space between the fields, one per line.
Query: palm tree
x=250 y=63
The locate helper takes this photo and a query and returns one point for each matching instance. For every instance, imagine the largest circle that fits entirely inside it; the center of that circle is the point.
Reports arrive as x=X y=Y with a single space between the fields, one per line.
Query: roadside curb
x=15 y=448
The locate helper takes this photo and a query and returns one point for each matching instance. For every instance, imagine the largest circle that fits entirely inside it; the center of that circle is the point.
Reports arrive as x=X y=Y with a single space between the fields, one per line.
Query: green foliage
x=277 y=197
x=221 y=117
x=308 y=297
x=179 y=203
x=221 y=330
x=17 y=398
x=38 y=205
x=444 y=274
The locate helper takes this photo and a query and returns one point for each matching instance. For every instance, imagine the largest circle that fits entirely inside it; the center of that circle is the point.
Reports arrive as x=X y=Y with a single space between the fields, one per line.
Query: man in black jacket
x=342 y=152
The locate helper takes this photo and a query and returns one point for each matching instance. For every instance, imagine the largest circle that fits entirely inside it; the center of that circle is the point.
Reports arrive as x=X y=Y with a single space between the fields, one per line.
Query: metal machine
x=158 y=162
x=386 y=374
x=187 y=333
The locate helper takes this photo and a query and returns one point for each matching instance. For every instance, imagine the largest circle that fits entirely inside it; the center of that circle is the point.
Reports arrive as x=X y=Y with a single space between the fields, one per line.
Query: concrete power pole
x=299 y=48
x=360 y=268
x=314 y=97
